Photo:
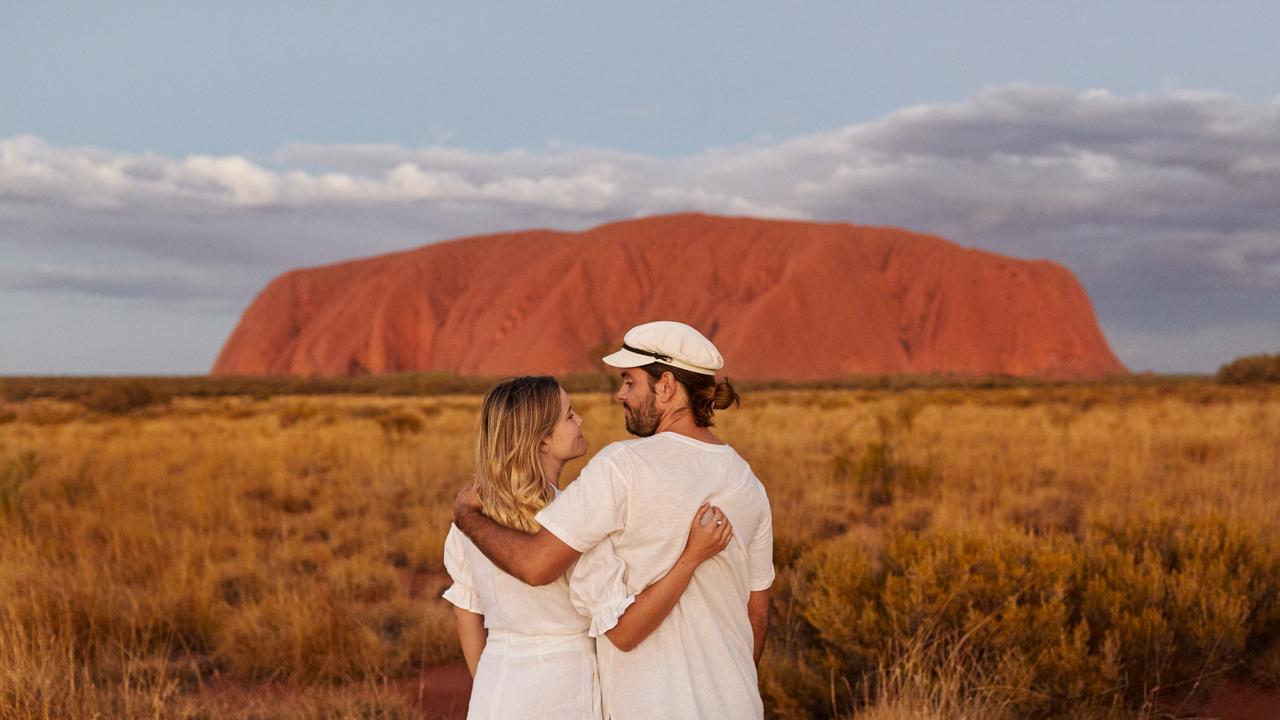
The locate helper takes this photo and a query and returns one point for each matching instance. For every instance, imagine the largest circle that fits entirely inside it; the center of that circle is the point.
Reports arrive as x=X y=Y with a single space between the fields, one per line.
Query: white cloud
x=157 y=280
x=1147 y=198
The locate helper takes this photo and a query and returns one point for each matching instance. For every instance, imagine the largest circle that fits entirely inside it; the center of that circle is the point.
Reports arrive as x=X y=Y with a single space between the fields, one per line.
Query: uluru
x=781 y=299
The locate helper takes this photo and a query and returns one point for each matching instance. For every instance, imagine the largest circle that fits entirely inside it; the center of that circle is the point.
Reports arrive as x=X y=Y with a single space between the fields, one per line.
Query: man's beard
x=643 y=419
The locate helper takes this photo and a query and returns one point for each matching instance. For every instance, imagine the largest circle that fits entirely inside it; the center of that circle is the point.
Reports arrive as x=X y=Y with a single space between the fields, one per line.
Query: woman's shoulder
x=455 y=536
x=454 y=545
x=459 y=548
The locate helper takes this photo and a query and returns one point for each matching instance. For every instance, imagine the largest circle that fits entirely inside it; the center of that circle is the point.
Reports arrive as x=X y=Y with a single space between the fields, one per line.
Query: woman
x=527 y=648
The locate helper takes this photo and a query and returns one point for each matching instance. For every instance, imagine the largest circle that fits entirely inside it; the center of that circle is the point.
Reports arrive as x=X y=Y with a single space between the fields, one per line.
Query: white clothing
x=506 y=603
x=629 y=512
x=546 y=677
x=538 y=661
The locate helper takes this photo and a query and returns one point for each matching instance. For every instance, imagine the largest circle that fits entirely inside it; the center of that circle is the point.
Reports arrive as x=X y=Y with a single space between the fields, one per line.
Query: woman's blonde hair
x=515 y=418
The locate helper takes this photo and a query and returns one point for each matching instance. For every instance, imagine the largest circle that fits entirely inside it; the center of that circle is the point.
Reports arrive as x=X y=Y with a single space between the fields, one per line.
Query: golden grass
x=1067 y=551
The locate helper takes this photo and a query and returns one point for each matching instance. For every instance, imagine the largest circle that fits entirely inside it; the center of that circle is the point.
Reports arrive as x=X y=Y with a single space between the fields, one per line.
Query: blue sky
x=159 y=162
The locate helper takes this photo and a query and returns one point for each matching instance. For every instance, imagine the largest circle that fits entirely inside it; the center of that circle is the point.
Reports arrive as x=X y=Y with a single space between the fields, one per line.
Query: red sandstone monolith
x=781 y=299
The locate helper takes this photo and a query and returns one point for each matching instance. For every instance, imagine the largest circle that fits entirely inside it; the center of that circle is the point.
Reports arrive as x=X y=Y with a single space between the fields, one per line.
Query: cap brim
x=626 y=359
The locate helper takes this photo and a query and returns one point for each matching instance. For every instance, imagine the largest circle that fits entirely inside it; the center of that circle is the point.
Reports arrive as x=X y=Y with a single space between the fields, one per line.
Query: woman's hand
x=711 y=533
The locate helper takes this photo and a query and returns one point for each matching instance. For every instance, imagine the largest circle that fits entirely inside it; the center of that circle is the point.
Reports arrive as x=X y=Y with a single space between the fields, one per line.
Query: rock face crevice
x=782 y=300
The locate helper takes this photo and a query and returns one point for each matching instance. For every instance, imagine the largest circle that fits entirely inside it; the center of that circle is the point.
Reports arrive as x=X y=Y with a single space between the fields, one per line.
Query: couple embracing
x=641 y=590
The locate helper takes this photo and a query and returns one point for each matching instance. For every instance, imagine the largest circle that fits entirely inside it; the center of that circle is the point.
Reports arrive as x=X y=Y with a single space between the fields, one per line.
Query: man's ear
x=666 y=387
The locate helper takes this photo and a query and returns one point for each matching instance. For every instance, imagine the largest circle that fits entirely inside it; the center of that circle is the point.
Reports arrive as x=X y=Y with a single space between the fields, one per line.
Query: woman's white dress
x=538 y=661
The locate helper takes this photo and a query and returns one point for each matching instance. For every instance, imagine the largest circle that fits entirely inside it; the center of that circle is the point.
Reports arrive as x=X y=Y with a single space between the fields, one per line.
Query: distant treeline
x=123 y=393
x=137 y=391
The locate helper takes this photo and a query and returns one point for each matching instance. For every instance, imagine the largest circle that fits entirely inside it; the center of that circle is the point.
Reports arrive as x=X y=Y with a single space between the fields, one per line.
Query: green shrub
x=1250 y=370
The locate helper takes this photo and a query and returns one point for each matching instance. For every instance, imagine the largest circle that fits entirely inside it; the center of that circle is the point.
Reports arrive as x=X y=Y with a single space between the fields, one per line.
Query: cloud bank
x=1165 y=206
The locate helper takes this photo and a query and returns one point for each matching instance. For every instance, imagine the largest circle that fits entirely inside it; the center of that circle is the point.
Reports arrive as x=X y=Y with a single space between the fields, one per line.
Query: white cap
x=670 y=343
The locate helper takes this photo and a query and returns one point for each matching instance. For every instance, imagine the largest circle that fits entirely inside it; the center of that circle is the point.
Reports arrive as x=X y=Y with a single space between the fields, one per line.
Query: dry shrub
x=1250 y=370
x=883 y=478
x=1048 y=512
x=15 y=473
x=298 y=636
x=120 y=397
x=400 y=424
x=930 y=681
x=1152 y=608
x=43 y=676
x=296 y=412
x=1265 y=670
x=69 y=648
x=368 y=700
x=1200 y=592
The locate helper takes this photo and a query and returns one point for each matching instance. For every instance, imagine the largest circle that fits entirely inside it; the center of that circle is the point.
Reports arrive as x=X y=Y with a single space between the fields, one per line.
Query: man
x=636 y=497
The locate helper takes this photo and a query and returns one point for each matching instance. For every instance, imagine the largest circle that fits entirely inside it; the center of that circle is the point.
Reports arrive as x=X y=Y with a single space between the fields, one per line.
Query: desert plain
x=1055 y=550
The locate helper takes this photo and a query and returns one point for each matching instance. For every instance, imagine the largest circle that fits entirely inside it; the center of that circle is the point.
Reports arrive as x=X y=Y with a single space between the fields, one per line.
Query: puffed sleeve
x=463 y=590
x=598 y=589
x=594 y=505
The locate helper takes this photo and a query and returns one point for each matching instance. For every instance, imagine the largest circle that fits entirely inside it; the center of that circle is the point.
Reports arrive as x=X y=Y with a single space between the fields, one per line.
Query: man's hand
x=467 y=501
x=535 y=559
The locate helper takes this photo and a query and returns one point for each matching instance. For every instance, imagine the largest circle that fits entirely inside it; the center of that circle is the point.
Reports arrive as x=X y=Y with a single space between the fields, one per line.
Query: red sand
x=441 y=693
x=784 y=300
x=1238 y=700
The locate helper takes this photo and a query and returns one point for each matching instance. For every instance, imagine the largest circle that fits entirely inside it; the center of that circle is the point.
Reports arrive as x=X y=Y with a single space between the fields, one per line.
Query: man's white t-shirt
x=630 y=512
